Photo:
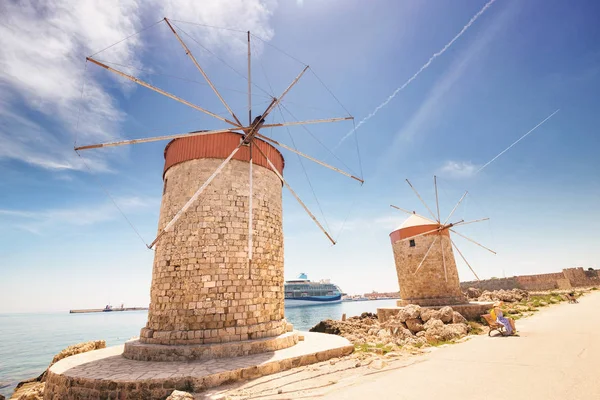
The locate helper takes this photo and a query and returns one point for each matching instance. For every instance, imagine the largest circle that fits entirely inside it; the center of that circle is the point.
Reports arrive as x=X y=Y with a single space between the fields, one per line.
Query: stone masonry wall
x=203 y=290
x=569 y=277
x=429 y=285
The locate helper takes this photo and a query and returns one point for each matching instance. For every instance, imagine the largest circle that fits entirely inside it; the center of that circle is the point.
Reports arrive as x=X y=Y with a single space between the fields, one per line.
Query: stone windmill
x=424 y=258
x=218 y=265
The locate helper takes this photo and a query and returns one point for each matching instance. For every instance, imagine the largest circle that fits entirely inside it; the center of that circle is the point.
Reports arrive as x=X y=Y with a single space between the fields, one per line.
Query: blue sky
x=64 y=244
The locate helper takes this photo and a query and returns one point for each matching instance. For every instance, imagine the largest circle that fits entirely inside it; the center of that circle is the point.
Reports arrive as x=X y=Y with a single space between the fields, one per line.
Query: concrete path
x=557 y=356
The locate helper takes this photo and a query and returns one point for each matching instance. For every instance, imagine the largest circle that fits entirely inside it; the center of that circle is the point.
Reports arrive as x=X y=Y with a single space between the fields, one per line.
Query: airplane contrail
x=518 y=140
x=424 y=67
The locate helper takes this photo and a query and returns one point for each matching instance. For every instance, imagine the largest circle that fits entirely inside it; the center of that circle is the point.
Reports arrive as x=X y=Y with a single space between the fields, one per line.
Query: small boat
x=108 y=308
x=302 y=292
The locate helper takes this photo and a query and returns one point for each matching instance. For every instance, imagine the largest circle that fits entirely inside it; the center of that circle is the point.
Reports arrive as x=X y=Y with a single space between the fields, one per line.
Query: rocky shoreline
x=33 y=389
x=413 y=330
x=412 y=327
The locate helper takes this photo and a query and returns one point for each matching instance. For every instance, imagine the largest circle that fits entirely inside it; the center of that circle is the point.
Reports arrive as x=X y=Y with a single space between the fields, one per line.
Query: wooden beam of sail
x=426 y=254
x=312 y=121
x=443 y=257
x=250 y=211
x=471 y=222
x=158 y=138
x=308 y=157
x=187 y=205
x=191 y=56
x=158 y=90
x=420 y=198
x=472 y=241
x=437 y=202
x=402 y=209
x=456 y=206
x=296 y=196
x=278 y=100
x=464 y=259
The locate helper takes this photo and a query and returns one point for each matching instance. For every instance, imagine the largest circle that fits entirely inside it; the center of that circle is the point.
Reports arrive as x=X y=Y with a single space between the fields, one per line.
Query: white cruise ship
x=302 y=292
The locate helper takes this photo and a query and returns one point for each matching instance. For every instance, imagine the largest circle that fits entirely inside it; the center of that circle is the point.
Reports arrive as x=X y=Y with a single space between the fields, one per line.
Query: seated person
x=508 y=323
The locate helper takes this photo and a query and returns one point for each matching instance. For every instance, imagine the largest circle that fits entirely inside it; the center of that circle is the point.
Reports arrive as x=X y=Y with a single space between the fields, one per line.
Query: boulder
x=455 y=331
x=378 y=364
x=327 y=326
x=473 y=293
x=433 y=323
x=457 y=318
x=78 y=349
x=29 y=391
x=445 y=332
x=383 y=334
x=428 y=313
x=409 y=311
x=414 y=325
x=402 y=333
x=446 y=314
x=179 y=395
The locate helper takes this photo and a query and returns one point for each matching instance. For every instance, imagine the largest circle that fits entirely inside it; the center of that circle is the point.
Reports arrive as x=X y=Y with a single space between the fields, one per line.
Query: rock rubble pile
x=509 y=296
x=412 y=326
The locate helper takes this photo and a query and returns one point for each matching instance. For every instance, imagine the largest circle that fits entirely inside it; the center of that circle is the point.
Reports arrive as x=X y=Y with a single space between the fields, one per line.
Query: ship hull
x=313 y=301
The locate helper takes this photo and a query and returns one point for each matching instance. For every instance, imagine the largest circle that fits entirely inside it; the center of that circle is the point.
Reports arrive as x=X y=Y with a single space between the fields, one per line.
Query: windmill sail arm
x=444 y=258
x=192 y=199
x=455 y=207
x=402 y=209
x=312 y=121
x=426 y=254
x=191 y=56
x=312 y=216
x=420 y=198
x=156 y=138
x=278 y=100
x=472 y=241
x=437 y=204
x=309 y=157
x=471 y=222
x=158 y=90
x=464 y=259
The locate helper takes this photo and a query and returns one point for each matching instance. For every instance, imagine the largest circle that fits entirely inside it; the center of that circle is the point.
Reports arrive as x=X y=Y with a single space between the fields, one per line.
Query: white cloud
x=42 y=221
x=458 y=169
x=44 y=45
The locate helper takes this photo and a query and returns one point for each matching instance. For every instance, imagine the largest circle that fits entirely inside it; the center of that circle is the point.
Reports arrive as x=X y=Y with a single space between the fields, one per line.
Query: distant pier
x=92 y=310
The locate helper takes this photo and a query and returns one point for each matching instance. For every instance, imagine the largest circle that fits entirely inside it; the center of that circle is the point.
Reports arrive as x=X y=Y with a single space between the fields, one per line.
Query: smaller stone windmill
x=425 y=263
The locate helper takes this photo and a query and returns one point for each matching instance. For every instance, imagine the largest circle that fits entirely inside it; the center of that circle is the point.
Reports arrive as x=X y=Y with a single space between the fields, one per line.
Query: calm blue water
x=29 y=341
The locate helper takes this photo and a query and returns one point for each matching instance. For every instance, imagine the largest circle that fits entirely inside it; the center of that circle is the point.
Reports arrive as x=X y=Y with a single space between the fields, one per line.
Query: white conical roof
x=416 y=220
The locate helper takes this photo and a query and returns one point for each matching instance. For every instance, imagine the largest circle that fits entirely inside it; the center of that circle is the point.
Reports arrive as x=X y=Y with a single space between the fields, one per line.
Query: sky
x=436 y=88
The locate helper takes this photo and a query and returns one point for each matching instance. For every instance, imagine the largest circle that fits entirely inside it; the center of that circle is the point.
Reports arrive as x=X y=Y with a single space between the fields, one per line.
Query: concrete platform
x=106 y=374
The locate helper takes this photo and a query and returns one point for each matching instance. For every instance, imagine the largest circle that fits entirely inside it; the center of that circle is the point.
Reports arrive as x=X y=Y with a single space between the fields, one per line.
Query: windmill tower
x=425 y=264
x=218 y=266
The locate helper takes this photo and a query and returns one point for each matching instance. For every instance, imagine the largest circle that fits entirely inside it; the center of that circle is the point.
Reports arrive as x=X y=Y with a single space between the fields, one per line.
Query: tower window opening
x=412 y=243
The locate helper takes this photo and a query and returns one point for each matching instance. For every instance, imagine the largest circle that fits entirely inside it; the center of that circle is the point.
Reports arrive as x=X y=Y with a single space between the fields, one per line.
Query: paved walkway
x=557 y=356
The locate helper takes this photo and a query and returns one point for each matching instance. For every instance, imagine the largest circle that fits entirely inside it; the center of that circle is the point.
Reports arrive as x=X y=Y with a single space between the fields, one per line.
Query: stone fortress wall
x=568 y=278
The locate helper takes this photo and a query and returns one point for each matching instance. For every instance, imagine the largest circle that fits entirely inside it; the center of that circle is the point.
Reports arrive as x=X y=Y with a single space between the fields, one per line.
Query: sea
x=28 y=342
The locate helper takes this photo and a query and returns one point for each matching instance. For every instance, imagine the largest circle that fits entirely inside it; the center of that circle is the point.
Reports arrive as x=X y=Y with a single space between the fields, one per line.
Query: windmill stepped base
x=106 y=374
x=136 y=350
